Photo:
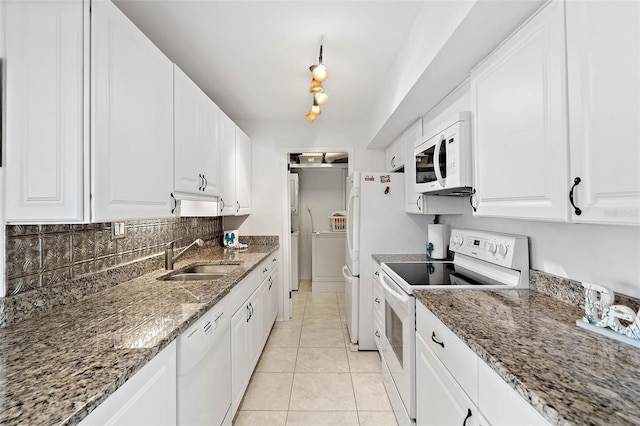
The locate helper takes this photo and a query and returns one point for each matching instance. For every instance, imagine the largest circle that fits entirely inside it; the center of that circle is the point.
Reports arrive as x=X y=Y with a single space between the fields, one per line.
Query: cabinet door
x=604 y=110
x=45 y=145
x=390 y=157
x=243 y=173
x=147 y=398
x=196 y=144
x=414 y=202
x=273 y=291
x=257 y=329
x=228 y=166
x=132 y=120
x=240 y=356
x=440 y=400
x=521 y=147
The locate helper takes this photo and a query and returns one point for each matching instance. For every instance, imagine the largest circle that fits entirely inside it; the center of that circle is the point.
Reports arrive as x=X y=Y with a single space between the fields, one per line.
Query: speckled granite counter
x=571 y=376
x=57 y=367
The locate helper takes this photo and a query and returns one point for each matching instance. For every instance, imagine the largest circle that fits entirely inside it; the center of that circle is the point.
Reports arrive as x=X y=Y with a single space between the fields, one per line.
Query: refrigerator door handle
x=351 y=225
x=346 y=274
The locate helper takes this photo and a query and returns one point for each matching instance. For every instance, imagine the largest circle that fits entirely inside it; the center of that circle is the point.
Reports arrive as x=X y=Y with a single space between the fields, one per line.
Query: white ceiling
x=252 y=57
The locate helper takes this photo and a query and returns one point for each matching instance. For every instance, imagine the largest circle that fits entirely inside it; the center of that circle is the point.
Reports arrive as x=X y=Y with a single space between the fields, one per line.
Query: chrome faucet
x=170 y=259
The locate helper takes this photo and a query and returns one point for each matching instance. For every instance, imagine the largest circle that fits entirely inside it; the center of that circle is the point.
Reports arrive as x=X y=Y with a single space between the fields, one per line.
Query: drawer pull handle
x=275 y=259
x=265 y=270
x=376 y=273
x=377 y=300
x=433 y=337
x=464 y=423
x=377 y=333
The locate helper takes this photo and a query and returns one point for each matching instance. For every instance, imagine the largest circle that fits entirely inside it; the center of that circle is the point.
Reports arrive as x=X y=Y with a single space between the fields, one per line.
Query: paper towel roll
x=438 y=240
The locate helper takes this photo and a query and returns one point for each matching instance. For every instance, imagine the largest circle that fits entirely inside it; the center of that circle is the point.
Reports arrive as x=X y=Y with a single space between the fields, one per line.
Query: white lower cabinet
x=440 y=399
x=378 y=309
x=147 y=398
x=455 y=387
x=251 y=324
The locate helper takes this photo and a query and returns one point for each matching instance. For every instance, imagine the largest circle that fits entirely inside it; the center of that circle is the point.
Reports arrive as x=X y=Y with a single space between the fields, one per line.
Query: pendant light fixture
x=319 y=74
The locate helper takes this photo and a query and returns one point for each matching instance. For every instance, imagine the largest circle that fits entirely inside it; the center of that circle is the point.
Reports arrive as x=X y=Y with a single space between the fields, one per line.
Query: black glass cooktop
x=426 y=274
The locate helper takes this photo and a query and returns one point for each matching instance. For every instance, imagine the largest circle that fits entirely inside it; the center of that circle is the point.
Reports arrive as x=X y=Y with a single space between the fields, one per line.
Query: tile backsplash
x=43 y=255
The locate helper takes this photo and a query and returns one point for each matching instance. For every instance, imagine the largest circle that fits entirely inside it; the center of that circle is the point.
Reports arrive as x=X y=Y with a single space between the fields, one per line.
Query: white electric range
x=482 y=260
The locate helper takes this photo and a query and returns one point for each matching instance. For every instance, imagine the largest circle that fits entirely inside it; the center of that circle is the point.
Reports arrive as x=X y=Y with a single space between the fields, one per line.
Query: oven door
x=431 y=164
x=399 y=348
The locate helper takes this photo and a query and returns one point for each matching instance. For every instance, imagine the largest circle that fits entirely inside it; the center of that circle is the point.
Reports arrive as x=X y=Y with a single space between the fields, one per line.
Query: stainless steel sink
x=209 y=269
x=194 y=277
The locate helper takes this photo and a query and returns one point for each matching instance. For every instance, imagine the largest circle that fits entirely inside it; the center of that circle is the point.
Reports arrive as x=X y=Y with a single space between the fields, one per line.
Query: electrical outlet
x=118 y=230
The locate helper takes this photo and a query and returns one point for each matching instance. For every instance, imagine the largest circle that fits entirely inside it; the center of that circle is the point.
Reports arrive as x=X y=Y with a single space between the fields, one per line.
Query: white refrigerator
x=376 y=224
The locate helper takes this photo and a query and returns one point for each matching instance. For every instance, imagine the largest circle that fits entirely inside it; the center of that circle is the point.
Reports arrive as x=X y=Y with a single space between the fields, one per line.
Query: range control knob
x=492 y=248
x=502 y=249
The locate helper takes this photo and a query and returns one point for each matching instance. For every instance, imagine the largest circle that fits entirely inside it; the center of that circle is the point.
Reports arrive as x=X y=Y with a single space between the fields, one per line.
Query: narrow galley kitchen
x=309 y=373
x=308 y=376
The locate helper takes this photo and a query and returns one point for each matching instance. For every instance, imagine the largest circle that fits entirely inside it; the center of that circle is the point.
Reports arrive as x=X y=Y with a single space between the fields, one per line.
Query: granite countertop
x=57 y=367
x=570 y=376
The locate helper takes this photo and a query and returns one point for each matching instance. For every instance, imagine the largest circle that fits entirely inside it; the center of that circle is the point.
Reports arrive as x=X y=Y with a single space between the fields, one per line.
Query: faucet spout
x=170 y=259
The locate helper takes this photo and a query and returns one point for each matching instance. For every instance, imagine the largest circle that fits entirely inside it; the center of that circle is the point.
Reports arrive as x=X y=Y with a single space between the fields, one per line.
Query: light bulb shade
x=316 y=87
x=311 y=117
x=319 y=72
x=315 y=109
x=321 y=98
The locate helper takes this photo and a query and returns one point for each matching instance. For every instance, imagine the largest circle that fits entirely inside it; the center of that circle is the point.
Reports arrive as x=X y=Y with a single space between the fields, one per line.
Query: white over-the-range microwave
x=443 y=157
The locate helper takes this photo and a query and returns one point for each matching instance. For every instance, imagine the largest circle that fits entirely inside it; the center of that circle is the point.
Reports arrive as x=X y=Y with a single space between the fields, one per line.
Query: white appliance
x=295 y=260
x=376 y=223
x=482 y=260
x=327 y=255
x=294 y=207
x=204 y=369
x=443 y=157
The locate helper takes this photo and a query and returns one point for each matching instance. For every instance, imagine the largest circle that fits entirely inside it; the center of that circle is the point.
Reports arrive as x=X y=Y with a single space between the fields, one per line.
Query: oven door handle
x=388 y=290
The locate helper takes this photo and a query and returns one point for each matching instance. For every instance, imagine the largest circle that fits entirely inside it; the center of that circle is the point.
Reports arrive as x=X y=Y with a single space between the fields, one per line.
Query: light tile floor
x=310 y=375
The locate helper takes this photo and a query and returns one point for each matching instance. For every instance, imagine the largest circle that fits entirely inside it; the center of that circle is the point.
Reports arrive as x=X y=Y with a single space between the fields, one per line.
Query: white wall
x=607 y=255
x=271 y=140
x=323 y=192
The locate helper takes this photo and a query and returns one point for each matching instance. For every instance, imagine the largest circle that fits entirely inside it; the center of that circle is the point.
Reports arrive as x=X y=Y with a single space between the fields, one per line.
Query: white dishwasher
x=204 y=369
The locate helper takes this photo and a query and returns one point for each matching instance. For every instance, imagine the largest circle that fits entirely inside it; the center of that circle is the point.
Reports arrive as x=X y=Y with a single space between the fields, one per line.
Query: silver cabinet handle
x=433 y=338
x=377 y=300
x=377 y=333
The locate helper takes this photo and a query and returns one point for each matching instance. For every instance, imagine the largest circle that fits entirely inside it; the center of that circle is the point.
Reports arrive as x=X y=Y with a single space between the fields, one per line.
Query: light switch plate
x=118 y=230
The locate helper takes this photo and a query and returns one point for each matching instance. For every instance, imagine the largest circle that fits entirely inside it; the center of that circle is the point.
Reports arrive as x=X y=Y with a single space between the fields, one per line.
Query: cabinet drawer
x=267 y=266
x=456 y=356
x=242 y=291
x=378 y=330
x=501 y=404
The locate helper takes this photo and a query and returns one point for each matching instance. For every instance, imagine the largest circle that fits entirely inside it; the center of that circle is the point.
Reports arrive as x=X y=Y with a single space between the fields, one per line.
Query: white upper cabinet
x=603 y=47
x=45 y=117
x=521 y=145
x=395 y=155
x=228 y=166
x=131 y=120
x=243 y=180
x=196 y=141
x=235 y=167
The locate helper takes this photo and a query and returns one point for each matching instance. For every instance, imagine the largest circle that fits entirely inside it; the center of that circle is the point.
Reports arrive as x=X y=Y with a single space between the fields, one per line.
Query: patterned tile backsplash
x=43 y=255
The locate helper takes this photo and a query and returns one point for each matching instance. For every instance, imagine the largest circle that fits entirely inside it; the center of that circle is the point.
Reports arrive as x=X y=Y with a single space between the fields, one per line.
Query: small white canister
x=230 y=237
x=438 y=241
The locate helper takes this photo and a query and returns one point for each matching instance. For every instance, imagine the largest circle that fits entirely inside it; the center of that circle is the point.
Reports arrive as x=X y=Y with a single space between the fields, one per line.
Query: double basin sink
x=208 y=272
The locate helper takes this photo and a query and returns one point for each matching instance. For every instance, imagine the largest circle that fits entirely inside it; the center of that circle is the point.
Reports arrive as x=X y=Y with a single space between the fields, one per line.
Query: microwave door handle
x=436 y=160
